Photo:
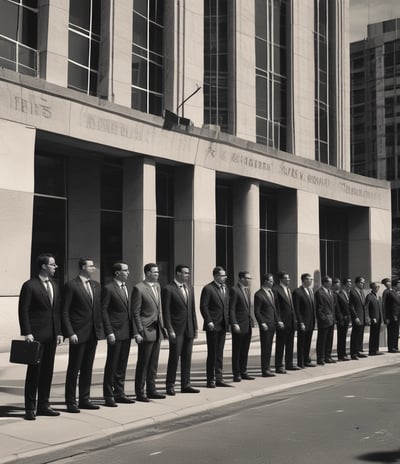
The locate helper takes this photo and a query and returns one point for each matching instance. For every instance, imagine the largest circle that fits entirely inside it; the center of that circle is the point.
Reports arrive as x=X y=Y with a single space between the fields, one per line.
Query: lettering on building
x=109 y=126
x=32 y=106
x=358 y=191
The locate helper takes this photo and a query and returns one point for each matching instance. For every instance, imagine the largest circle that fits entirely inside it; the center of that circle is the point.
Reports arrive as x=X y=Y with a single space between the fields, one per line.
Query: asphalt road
x=348 y=420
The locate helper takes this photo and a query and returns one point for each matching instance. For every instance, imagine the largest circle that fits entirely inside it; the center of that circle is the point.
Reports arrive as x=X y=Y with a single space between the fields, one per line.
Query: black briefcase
x=23 y=352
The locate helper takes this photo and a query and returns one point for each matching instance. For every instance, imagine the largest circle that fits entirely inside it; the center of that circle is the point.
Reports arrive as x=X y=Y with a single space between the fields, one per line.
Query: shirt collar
x=83 y=279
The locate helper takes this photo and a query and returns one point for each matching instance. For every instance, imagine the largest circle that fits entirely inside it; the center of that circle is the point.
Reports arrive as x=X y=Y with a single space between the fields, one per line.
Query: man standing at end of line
x=214 y=307
x=39 y=319
x=392 y=313
x=181 y=324
x=374 y=310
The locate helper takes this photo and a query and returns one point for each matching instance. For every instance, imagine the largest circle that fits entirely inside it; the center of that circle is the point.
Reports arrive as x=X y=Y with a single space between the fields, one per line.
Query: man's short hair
x=345 y=280
x=83 y=261
x=147 y=267
x=373 y=284
x=305 y=276
x=385 y=280
x=326 y=279
x=243 y=274
x=43 y=258
x=358 y=279
x=217 y=270
x=336 y=280
x=117 y=267
x=180 y=267
x=281 y=274
x=266 y=277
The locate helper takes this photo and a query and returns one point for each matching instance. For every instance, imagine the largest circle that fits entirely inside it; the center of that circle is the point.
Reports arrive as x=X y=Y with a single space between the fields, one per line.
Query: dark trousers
x=215 y=354
x=356 y=338
x=322 y=343
x=284 y=344
x=341 y=339
x=329 y=342
x=80 y=361
x=374 y=332
x=393 y=335
x=115 y=368
x=146 y=367
x=266 y=339
x=181 y=347
x=38 y=378
x=304 y=338
x=240 y=352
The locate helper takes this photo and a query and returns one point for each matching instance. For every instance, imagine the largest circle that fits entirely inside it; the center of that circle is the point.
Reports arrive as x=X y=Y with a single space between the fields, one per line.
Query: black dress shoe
x=362 y=355
x=142 y=399
x=292 y=368
x=221 y=383
x=124 y=399
x=354 y=357
x=170 y=391
x=88 y=405
x=110 y=402
x=268 y=374
x=47 y=412
x=156 y=396
x=211 y=384
x=310 y=364
x=343 y=358
x=321 y=363
x=73 y=408
x=237 y=378
x=280 y=370
x=30 y=415
x=330 y=361
x=247 y=377
x=189 y=389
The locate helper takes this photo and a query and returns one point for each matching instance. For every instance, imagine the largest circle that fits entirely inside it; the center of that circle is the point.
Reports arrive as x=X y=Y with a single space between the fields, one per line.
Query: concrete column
x=184 y=66
x=83 y=213
x=139 y=215
x=245 y=70
x=17 y=147
x=204 y=217
x=381 y=239
x=303 y=80
x=359 y=242
x=115 y=72
x=298 y=235
x=246 y=229
x=53 y=41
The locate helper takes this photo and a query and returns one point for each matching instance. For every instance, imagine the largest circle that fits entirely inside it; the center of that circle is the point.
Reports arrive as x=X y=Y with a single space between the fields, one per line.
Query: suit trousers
x=38 y=378
x=393 y=335
x=322 y=343
x=329 y=342
x=304 y=346
x=146 y=367
x=284 y=344
x=341 y=339
x=356 y=338
x=374 y=331
x=80 y=361
x=240 y=352
x=181 y=347
x=215 y=354
x=115 y=368
x=266 y=339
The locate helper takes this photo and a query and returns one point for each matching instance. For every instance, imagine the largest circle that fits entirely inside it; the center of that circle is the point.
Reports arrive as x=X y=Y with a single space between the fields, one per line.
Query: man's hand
x=111 y=339
x=281 y=325
x=29 y=338
x=235 y=328
x=264 y=326
x=73 y=339
x=138 y=339
x=357 y=321
x=172 y=337
x=302 y=326
x=374 y=321
x=60 y=339
x=210 y=326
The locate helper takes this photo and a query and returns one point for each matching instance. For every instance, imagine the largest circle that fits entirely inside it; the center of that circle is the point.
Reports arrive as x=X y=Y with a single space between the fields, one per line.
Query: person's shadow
x=381 y=456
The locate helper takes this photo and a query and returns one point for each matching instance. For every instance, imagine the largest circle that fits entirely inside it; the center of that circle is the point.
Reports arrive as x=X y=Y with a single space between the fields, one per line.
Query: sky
x=363 y=12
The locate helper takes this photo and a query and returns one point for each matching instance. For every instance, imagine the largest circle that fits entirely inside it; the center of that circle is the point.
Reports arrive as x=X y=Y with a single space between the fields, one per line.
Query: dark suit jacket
x=342 y=309
x=373 y=307
x=392 y=306
x=147 y=312
x=284 y=308
x=304 y=308
x=116 y=312
x=79 y=315
x=179 y=317
x=36 y=315
x=357 y=307
x=264 y=309
x=384 y=297
x=325 y=308
x=239 y=309
x=214 y=308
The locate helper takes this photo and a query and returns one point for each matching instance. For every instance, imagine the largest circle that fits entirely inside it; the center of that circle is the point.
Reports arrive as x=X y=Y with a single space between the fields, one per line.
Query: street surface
x=347 y=420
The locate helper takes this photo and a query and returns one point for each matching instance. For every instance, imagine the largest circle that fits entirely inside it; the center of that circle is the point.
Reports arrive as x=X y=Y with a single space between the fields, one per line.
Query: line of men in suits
x=86 y=313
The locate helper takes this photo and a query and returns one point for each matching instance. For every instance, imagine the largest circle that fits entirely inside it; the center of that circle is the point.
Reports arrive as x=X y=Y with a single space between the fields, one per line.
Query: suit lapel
x=81 y=288
x=219 y=293
x=180 y=294
x=119 y=291
x=43 y=292
x=151 y=293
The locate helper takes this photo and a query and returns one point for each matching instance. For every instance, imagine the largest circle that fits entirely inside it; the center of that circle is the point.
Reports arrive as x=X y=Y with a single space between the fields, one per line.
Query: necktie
x=49 y=290
x=310 y=294
x=222 y=288
x=184 y=293
x=153 y=287
x=124 y=290
x=89 y=290
x=247 y=293
x=271 y=295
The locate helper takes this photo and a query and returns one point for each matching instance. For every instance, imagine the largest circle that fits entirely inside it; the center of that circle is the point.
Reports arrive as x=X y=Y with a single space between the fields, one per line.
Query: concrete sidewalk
x=50 y=438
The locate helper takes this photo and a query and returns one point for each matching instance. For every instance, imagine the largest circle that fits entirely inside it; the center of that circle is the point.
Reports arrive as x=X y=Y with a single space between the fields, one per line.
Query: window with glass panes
x=148 y=56
x=224 y=227
x=18 y=36
x=84 y=45
x=268 y=233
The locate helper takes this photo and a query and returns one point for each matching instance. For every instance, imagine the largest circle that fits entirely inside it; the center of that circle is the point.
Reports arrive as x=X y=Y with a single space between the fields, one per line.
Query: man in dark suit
x=214 y=307
x=117 y=322
x=148 y=330
x=241 y=324
x=267 y=318
x=39 y=320
x=303 y=301
x=325 y=308
x=343 y=318
x=358 y=318
x=392 y=312
x=181 y=324
x=82 y=324
x=285 y=332
x=374 y=311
